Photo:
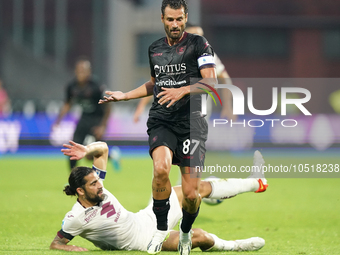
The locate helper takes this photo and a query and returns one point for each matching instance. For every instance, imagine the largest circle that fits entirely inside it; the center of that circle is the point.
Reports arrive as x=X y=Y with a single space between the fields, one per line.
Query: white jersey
x=110 y=226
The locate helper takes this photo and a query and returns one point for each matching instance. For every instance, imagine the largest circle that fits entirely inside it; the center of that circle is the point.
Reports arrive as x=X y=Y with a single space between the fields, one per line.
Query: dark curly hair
x=175 y=4
x=77 y=180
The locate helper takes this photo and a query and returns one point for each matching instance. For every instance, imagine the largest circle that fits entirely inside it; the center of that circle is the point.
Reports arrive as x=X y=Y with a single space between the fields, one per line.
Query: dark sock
x=188 y=220
x=161 y=209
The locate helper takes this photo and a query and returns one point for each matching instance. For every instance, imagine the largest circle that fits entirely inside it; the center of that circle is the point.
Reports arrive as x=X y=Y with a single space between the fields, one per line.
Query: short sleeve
x=204 y=53
x=71 y=226
x=152 y=70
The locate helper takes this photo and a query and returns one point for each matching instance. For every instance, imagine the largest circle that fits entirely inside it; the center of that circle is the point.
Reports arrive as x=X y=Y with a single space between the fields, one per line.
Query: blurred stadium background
x=288 y=41
x=41 y=39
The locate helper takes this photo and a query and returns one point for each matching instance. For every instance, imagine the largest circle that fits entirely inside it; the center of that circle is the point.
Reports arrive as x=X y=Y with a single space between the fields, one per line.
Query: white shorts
x=147 y=224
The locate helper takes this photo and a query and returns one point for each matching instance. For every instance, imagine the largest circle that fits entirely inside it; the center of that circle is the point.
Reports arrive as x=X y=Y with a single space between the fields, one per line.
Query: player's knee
x=202 y=239
x=191 y=195
x=201 y=234
x=162 y=167
x=161 y=171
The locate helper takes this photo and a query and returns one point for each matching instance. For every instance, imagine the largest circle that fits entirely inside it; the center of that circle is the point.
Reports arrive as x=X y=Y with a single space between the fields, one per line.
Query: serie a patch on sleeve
x=205 y=60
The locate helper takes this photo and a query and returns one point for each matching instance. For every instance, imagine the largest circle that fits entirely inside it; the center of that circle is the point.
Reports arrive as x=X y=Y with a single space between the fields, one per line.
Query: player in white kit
x=99 y=217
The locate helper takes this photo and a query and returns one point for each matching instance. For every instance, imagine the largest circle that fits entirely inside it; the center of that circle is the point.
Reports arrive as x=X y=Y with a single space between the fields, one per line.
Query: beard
x=174 y=36
x=95 y=199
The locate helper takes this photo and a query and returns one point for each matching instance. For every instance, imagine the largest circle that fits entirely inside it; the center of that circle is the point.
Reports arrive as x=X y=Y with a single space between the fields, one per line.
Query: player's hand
x=113 y=96
x=76 y=151
x=136 y=117
x=170 y=94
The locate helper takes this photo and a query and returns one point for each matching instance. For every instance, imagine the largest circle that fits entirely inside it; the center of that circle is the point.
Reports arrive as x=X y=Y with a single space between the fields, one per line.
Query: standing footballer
x=177 y=130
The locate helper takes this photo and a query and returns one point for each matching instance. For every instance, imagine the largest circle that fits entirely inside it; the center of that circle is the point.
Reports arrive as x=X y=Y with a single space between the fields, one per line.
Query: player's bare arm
x=227 y=109
x=175 y=94
x=61 y=244
x=65 y=109
x=142 y=91
x=98 y=150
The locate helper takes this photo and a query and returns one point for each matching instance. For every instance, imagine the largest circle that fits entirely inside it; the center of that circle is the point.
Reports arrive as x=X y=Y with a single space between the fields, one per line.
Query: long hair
x=77 y=179
x=175 y=4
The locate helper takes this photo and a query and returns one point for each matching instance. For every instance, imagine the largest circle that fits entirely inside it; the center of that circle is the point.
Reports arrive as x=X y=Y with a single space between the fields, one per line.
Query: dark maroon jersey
x=174 y=67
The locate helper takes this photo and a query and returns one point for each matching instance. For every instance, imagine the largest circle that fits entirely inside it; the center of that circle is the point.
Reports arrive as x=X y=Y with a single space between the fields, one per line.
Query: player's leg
x=190 y=207
x=230 y=187
x=78 y=137
x=83 y=129
x=191 y=151
x=161 y=190
x=210 y=242
x=162 y=143
x=162 y=161
x=200 y=238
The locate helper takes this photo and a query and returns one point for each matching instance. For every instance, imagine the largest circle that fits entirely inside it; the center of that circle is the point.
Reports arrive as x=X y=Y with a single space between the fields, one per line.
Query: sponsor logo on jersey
x=206 y=45
x=170 y=69
x=118 y=216
x=180 y=50
x=91 y=215
x=109 y=209
x=170 y=83
x=157 y=54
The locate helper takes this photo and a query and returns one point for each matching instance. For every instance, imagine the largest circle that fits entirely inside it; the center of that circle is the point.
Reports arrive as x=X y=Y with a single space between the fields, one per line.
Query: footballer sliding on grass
x=98 y=216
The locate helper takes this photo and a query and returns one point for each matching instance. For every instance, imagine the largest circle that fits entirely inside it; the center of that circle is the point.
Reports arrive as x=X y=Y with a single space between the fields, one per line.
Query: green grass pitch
x=294 y=216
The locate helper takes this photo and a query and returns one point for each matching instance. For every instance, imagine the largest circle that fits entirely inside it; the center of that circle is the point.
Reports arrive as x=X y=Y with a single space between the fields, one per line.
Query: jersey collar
x=185 y=34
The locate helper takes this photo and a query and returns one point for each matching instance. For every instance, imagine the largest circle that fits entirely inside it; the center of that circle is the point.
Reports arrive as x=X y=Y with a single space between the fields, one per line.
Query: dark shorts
x=186 y=139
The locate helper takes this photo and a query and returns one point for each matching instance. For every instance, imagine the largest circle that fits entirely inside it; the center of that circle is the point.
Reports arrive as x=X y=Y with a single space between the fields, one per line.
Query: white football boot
x=155 y=245
x=250 y=244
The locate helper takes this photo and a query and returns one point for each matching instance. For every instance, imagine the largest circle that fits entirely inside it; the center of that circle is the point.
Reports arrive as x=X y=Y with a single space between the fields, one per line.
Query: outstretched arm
x=98 y=150
x=61 y=244
x=142 y=91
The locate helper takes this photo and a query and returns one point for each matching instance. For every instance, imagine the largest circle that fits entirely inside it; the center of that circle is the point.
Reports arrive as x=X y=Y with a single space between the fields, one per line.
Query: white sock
x=224 y=188
x=221 y=245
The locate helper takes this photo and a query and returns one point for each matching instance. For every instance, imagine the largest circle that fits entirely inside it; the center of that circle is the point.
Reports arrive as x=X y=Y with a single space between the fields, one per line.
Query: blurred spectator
x=85 y=92
x=5 y=102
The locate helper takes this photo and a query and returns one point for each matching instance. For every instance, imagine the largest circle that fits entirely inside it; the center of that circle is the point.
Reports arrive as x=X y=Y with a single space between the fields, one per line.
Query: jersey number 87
x=186 y=146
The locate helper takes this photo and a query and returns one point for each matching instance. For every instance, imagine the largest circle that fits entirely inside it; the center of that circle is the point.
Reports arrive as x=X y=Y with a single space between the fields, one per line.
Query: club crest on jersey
x=180 y=50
